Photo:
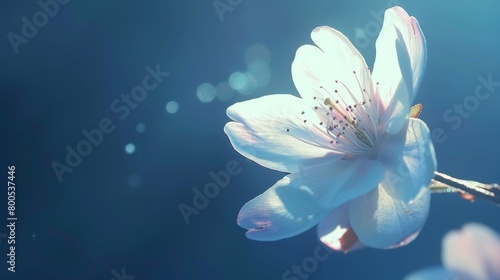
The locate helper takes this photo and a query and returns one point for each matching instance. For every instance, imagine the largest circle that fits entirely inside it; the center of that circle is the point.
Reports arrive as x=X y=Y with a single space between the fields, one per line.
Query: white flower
x=470 y=253
x=359 y=166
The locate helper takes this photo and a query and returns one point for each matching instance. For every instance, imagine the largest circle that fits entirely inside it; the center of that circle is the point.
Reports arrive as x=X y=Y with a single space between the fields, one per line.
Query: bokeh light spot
x=140 y=127
x=206 y=92
x=172 y=107
x=259 y=73
x=257 y=52
x=238 y=81
x=130 y=148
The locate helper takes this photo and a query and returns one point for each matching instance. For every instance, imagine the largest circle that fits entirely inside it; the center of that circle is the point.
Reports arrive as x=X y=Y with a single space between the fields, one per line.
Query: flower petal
x=474 y=250
x=394 y=213
x=336 y=182
x=335 y=230
x=399 y=65
x=383 y=218
x=406 y=241
x=260 y=132
x=436 y=273
x=335 y=65
x=409 y=159
x=283 y=211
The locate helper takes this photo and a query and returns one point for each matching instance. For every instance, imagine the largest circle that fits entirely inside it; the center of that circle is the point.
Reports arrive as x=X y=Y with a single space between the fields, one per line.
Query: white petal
x=474 y=250
x=283 y=211
x=383 y=219
x=399 y=65
x=393 y=214
x=315 y=70
x=406 y=241
x=335 y=230
x=260 y=132
x=409 y=159
x=336 y=182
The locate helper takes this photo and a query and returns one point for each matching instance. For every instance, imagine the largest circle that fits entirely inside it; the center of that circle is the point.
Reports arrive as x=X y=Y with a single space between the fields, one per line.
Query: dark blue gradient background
x=91 y=52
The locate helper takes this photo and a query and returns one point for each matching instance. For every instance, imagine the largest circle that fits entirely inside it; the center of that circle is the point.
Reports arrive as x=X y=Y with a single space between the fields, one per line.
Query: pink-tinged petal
x=437 y=273
x=283 y=211
x=334 y=69
x=336 y=182
x=270 y=130
x=399 y=65
x=474 y=250
x=409 y=159
x=406 y=241
x=383 y=218
x=335 y=230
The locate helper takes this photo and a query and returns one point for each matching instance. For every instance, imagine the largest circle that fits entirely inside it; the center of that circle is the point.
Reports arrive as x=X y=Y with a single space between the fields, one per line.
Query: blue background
x=119 y=210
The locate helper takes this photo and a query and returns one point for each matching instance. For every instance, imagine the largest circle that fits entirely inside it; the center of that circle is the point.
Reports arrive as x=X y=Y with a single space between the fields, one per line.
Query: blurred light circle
x=250 y=88
x=134 y=180
x=259 y=73
x=130 y=148
x=257 y=52
x=224 y=91
x=172 y=107
x=238 y=81
x=140 y=127
x=206 y=92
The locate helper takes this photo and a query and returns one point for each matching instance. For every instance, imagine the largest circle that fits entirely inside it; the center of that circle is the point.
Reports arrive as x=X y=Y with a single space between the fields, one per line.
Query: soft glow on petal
x=333 y=79
x=335 y=65
x=399 y=65
x=260 y=132
x=382 y=220
x=409 y=160
x=474 y=250
x=406 y=241
x=283 y=211
x=336 y=182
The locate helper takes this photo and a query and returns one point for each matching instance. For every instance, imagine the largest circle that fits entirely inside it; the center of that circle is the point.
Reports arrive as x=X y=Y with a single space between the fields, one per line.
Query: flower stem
x=443 y=183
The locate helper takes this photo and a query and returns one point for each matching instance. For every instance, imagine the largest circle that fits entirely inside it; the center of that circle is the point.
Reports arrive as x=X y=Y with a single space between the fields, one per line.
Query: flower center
x=348 y=118
x=359 y=131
